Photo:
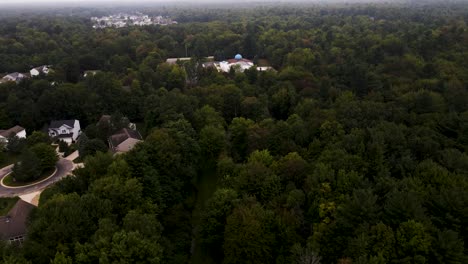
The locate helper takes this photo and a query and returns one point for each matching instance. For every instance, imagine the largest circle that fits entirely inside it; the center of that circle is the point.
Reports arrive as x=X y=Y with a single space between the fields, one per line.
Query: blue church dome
x=238 y=57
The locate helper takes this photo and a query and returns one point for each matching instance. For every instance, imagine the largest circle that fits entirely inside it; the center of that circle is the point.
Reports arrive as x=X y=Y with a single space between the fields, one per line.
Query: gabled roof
x=14 y=130
x=41 y=68
x=59 y=123
x=122 y=135
x=14 y=223
x=241 y=60
x=105 y=118
x=13 y=75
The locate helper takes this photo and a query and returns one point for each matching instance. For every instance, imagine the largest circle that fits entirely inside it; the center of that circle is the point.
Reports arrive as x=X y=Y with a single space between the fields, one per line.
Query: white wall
x=21 y=134
x=34 y=72
x=76 y=130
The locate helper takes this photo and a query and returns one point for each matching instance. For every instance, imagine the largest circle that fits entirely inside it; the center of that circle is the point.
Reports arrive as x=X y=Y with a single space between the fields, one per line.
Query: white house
x=18 y=131
x=66 y=130
x=14 y=77
x=44 y=69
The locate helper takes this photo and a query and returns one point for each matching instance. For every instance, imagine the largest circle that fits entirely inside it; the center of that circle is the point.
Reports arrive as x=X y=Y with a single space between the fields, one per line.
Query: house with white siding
x=66 y=130
x=17 y=131
x=14 y=77
x=44 y=69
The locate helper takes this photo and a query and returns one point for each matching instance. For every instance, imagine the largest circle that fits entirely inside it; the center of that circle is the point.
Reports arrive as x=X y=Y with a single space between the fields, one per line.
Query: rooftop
x=14 y=223
x=14 y=130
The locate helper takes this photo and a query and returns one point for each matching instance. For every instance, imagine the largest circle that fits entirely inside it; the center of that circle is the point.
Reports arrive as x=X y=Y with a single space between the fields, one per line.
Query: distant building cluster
x=125 y=20
x=34 y=72
x=238 y=63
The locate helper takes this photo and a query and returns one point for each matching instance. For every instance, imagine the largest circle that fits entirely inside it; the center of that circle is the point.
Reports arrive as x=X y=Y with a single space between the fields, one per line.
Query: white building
x=14 y=77
x=18 y=131
x=66 y=130
x=44 y=69
x=238 y=63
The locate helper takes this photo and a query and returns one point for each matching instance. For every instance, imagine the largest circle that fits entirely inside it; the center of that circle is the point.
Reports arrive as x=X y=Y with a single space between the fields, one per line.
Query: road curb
x=25 y=186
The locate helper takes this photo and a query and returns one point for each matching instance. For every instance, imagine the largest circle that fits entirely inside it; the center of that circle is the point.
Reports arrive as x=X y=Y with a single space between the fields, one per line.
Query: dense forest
x=353 y=150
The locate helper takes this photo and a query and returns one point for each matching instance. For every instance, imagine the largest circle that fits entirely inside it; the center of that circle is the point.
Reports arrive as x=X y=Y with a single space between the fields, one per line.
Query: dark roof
x=59 y=123
x=122 y=135
x=105 y=118
x=14 y=74
x=241 y=60
x=14 y=223
x=41 y=68
x=13 y=130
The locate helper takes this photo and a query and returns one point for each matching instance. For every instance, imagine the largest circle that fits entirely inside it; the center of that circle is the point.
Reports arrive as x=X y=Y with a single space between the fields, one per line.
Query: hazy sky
x=178 y=1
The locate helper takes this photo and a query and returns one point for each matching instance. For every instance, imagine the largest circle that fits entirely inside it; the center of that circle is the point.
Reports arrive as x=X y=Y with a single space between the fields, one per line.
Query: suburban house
x=44 y=69
x=13 y=225
x=14 y=77
x=124 y=140
x=14 y=131
x=66 y=130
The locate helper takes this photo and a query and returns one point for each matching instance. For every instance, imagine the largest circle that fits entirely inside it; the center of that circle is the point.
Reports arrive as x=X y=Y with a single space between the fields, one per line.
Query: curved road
x=64 y=167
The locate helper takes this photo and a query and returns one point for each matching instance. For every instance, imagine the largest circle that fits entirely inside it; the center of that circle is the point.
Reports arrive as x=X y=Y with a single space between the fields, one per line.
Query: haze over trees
x=353 y=151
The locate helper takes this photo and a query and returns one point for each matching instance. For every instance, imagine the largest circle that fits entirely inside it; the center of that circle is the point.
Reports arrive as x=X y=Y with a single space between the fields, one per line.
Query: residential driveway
x=64 y=167
x=73 y=156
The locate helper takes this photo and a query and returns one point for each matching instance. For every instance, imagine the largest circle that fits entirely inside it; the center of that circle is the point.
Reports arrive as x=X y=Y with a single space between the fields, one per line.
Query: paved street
x=64 y=167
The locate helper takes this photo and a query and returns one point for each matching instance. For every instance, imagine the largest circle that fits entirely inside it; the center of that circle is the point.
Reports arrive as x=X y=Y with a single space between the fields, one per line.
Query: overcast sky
x=179 y=1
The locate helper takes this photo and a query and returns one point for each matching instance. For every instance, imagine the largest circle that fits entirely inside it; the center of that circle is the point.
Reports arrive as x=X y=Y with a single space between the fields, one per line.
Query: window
x=64 y=131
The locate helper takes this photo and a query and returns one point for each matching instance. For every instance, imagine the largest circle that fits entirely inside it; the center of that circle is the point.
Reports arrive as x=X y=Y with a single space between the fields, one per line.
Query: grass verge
x=10 y=182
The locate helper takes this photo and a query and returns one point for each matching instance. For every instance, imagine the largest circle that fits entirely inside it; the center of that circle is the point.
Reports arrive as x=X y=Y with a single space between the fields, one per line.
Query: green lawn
x=8 y=180
x=6 y=204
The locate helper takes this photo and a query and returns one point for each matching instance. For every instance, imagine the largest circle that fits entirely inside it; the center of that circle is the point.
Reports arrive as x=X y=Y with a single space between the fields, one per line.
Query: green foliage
x=28 y=168
x=248 y=235
x=37 y=137
x=212 y=141
x=16 y=145
x=46 y=155
x=352 y=150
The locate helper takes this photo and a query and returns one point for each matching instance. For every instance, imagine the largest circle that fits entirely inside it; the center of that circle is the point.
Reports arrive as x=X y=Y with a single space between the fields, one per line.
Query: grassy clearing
x=6 y=204
x=206 y=186
x=9 y=181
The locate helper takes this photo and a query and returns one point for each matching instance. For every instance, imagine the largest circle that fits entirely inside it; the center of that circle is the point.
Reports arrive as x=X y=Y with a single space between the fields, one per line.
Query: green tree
x=28 y=168
x=248 y=235
x=413 y=242
x=46 y=155
x=15 y=144
x=37 y=137
x=212 y=141
x=61 y=258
